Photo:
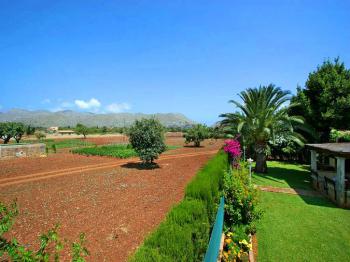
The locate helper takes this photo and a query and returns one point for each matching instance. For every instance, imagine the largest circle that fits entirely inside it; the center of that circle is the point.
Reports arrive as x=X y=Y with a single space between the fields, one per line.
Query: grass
x=114 y=150
x=282 y=174
x=296 y=228
x=62 y=143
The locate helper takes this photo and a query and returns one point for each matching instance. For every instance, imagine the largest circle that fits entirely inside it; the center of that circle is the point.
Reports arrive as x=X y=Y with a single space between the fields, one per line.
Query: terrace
x=330 y=169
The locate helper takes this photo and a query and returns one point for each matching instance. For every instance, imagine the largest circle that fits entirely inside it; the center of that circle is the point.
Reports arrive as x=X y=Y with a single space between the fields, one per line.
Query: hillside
x=71 y=118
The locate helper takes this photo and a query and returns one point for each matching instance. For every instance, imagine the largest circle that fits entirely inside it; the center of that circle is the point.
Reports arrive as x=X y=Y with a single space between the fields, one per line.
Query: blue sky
x=189 y=57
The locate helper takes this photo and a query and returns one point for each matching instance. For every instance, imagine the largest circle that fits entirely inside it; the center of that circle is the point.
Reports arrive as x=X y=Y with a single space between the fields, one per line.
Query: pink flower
x=233 y=147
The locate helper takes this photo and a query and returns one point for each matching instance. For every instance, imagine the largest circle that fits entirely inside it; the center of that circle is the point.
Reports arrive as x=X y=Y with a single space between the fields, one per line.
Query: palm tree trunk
x=260 y=151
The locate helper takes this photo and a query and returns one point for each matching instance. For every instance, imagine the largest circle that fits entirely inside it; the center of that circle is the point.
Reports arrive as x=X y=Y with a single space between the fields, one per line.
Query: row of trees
x=270 y=120
x=14 y=130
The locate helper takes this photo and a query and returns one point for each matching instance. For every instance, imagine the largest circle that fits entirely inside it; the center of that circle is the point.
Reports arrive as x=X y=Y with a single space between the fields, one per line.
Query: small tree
x=147 y=138
x=196 y=134
x=80 y=129
x=30 y=130
x=18 y=130
x=40 y=135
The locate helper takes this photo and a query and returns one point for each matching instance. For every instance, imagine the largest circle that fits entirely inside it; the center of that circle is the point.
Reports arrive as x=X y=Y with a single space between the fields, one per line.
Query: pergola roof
x=337 y=149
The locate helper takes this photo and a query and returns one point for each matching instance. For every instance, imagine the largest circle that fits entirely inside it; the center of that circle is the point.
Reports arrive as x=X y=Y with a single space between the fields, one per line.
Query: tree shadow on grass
x=141 y=166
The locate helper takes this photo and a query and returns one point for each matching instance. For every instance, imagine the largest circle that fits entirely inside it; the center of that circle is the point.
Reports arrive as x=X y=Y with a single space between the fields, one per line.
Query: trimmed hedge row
x=184 y=235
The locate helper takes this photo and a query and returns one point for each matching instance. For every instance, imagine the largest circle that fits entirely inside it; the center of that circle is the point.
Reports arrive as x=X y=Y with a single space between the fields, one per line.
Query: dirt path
x=76 y=170
x=292 y=191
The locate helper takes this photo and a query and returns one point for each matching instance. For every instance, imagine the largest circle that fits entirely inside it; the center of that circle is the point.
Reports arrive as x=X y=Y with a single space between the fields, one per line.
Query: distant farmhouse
x=52 y=129
x=66 y=132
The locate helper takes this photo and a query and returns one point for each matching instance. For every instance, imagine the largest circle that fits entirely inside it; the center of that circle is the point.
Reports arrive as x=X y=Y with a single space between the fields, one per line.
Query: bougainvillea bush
x=233 y=148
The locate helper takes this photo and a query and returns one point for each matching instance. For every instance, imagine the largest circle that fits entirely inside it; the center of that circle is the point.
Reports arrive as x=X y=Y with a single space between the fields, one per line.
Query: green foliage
x=30 y=130
x=53 y=147
x=67 y=143
x=208 y=183
x=147 y=138
x=40 y=135
x=50 y=244
x=325 y=101
x=196 y=134
x=240 y=199
x=184 y=235
x=261 y=118
x=119 y=151
x=339 y=136
x=79 y=250
x=10 y=130
x=216 y=132
x=80 y=129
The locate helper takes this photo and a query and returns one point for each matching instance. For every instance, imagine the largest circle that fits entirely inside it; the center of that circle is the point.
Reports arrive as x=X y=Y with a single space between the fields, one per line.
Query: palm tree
x=262 y=117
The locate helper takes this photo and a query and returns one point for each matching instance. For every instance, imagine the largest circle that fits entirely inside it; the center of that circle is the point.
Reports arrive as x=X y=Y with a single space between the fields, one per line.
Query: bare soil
x=114 y=202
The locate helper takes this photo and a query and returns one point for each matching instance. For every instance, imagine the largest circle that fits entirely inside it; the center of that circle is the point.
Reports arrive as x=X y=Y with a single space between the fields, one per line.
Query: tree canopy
x=325 y=100
x=262 y=117
x=196 y=134
x=147 y=138
x=10 y=130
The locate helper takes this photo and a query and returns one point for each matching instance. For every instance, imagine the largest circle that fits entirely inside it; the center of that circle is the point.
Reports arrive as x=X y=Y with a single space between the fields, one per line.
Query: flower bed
x=241 y=211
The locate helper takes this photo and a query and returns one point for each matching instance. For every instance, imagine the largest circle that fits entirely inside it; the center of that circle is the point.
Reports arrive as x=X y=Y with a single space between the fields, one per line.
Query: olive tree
x=196 y=134
x=80 y=129
x=147 y=138
x=10 y=130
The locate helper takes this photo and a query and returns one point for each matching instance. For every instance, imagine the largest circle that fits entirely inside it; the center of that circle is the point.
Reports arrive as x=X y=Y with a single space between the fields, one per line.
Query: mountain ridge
x=44 y=118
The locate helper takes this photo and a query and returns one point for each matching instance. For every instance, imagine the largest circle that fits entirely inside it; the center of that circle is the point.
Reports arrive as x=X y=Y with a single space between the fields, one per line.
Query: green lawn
x=295 y=228
x=281 y=174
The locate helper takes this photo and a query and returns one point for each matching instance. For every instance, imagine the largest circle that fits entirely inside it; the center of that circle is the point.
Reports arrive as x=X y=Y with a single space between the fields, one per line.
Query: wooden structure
x=330 y=170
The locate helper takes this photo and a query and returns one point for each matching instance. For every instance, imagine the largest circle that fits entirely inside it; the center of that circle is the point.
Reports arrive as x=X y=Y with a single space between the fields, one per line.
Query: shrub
x=184 y=235
x=147 y=138
x=240 y=199
x=196 y=134
x=208 y=183
x=40 y=135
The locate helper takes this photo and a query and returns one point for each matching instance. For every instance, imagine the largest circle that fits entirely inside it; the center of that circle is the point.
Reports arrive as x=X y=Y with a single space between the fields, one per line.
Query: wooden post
x=313 y=160
x=340 y=180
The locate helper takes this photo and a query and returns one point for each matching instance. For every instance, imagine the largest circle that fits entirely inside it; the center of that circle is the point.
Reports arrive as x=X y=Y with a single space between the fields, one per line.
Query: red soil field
x=112 y=201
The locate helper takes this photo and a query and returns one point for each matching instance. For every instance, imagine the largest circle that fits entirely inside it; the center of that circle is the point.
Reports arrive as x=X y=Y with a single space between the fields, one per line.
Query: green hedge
x=184 y=235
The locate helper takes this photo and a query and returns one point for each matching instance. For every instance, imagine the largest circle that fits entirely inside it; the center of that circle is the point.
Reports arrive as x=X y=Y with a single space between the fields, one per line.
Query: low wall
x=22 y=150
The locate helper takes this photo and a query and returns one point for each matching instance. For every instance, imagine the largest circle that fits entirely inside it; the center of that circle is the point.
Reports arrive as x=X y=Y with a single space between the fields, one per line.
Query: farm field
x=114 y=202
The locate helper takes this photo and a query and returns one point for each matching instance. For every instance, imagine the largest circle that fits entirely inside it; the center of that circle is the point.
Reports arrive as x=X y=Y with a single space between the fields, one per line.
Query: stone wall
x=22 y=150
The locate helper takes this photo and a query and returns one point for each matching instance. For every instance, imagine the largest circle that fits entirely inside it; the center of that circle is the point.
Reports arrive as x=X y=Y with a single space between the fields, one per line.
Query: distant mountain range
x=42 y=118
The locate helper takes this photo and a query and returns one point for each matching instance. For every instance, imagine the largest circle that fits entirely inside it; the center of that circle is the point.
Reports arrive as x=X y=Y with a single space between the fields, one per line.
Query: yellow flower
x=244 y=242
x=228 y=240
